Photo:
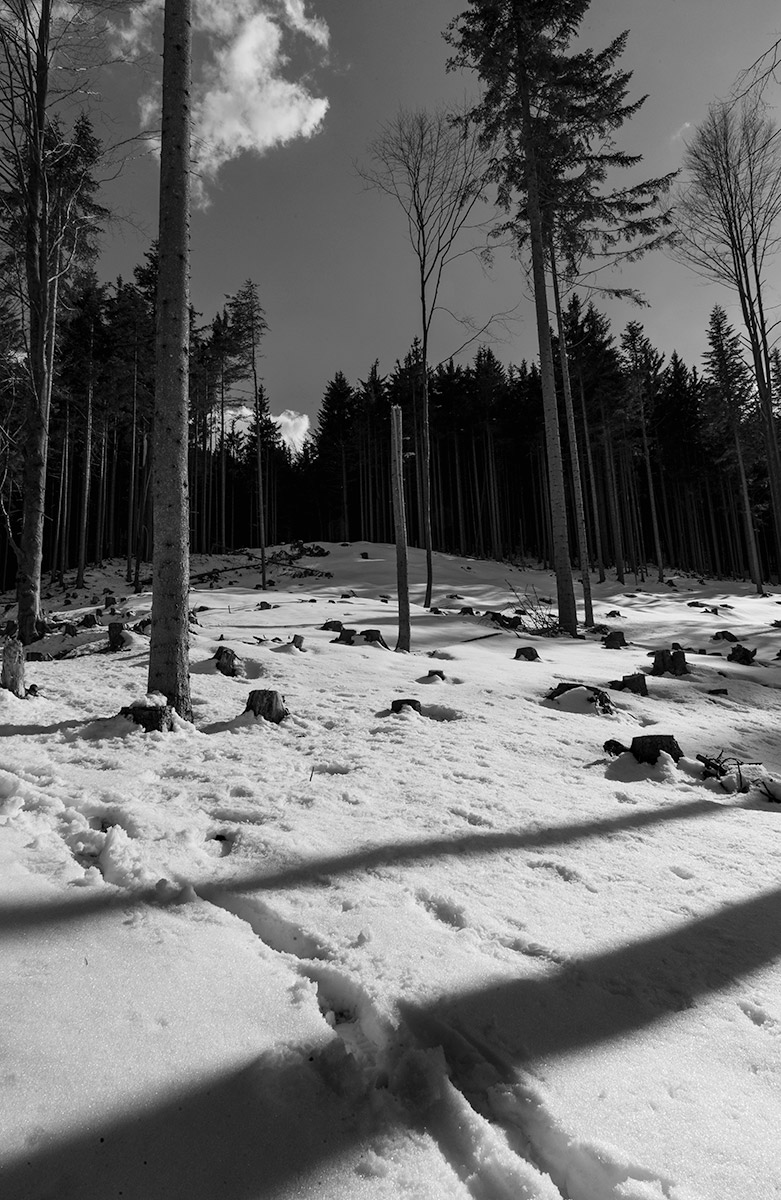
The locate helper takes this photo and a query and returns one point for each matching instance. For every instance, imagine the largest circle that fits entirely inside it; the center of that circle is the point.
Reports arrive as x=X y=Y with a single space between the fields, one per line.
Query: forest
x=653 y=434
x=607 y=453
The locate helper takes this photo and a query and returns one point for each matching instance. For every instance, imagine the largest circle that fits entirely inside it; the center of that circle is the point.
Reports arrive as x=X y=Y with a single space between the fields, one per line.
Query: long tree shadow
x=270 y=1129
x=82 y=904
x=262 y=1131
x=604 y=996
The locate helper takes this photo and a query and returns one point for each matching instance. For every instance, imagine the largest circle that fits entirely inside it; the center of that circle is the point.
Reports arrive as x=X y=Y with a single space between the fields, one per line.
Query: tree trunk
x=748 y=520
x=592 y=487
x=169 y=647
x=568 y=617
x=87 y=468
x=577 y=485
x=400 y=526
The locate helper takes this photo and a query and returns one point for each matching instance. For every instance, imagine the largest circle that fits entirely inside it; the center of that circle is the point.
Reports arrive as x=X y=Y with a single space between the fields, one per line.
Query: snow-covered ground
x=459 y=953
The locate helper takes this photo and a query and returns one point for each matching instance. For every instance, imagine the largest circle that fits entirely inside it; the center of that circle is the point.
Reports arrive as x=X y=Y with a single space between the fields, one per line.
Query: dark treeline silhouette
x=672 y=465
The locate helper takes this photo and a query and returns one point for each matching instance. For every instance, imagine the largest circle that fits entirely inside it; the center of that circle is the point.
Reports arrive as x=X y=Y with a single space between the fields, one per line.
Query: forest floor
x=461 y=953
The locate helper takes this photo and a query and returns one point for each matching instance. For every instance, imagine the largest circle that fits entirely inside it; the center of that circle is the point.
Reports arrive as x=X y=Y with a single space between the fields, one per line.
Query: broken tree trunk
x=267 y=704
x=12 y=677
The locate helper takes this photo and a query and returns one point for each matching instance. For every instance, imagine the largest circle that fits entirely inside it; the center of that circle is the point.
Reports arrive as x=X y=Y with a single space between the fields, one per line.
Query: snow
x=459 y=953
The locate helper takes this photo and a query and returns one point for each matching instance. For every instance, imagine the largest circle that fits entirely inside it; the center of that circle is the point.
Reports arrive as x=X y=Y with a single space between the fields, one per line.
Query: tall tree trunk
x=568 y=617
x=400 y=526
x=87 y=467
x=169 y=648
x=651 y=493
x=41 y=334
x=748 y=517
x=574 y=455
x=592 y=486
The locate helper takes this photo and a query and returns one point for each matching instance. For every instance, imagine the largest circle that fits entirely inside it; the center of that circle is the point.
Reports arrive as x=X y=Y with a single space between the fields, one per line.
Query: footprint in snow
x=442 y=909
x=760 y=1016
x=472 y=818
x=569 y=874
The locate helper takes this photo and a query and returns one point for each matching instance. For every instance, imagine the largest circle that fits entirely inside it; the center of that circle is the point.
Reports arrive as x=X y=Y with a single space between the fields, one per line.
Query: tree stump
x=115 y=639
x=374 y=638
x=614 y=640
x=88 y=621
x=398 y=705
x=723 y=635
x=528 y=653
x=157 y=718
x=467 y=612
x=225 y=661
x=297 y=640
x=613 y=614
x=267 y=704
x=631 y=683
x=669 y=661
x=596 y=696
x=333 y=626
x=436 y=675
x=345 y=637
x=647 y=748
x=12 y=675
x=742 y=654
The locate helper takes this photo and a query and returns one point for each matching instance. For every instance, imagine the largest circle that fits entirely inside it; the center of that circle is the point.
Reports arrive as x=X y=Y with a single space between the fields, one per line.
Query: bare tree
x=727 y=218
x=434 y=168
x=169 y=644
x=46 y=212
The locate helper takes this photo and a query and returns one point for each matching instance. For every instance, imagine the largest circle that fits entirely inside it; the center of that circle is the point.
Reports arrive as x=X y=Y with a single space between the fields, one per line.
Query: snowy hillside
x=461 y=953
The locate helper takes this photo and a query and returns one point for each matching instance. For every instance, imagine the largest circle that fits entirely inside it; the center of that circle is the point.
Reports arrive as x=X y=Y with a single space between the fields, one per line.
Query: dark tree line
x=671 y=457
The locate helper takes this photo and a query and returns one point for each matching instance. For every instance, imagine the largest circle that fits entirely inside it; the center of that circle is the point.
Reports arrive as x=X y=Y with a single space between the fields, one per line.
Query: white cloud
x=246 y=104
x=242 y=101
x=294 y=428
x=681 y=133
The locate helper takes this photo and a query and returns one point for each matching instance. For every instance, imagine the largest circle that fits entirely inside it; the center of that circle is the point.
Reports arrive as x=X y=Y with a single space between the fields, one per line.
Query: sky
x=308 y=83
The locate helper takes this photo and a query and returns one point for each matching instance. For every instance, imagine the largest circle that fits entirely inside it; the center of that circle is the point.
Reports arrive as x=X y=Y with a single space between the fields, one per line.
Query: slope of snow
x=456 y=953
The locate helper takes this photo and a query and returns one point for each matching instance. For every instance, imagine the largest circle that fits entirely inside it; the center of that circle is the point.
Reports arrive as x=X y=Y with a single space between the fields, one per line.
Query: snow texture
x=454 y=954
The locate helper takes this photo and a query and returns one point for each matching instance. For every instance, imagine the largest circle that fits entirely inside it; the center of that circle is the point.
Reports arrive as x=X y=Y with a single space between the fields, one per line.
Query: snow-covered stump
x=647 y=747
x=528 y=653
x=12 y=675
x=742 y=655
x=614 y=640
x=153 y=718
x=374 y=638
x=116 y=640
x=669 y=661
x=398 y=705
x=267 y=704
x=630 y=683
x=225 y=661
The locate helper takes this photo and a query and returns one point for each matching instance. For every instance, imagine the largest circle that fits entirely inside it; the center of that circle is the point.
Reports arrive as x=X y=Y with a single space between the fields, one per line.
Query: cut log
x=398 y=705
x=528 y=653
x=614 y=640
x=631 y=683
x=267 y=704
x=115 y=639
x=12 y=676
x=225 y=661
x=158 y=718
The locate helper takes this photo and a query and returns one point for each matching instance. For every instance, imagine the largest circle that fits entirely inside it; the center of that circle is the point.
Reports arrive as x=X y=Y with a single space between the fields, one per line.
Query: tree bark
x=400 y=524
x=568 y=617
x=169 y=646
